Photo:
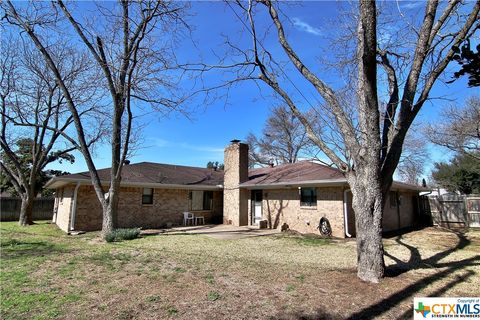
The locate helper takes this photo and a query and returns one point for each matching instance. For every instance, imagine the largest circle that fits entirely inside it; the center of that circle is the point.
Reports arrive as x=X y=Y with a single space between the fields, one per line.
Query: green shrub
x=127 y=234
x=122 y=234
x=110 y=237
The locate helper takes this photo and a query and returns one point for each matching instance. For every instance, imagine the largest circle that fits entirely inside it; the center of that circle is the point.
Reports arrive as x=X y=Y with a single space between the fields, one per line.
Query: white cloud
x=160 y=142
x=411 y=4
x=201 y=148
x=305 y=27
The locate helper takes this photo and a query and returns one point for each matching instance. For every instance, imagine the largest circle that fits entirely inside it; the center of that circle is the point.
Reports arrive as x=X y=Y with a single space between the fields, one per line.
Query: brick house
x=298 y=195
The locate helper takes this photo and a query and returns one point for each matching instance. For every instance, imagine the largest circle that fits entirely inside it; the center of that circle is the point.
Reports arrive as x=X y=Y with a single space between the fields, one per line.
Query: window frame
x=207 y=201
x=312 y=198
x=150 y=196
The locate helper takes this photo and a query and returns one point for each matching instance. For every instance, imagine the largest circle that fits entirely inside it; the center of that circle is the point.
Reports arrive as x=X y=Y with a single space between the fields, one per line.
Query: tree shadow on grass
x=455 y=271
x=416 y=262
x=14 y=249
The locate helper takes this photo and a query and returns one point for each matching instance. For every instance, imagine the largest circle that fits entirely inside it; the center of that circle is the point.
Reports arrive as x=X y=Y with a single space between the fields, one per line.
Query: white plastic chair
x=188 y=216
x=199 y=219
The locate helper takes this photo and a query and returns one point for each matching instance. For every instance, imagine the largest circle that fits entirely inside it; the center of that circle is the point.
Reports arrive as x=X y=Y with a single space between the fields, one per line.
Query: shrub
x=122 y=234
x=110 y=237
x=127 y=234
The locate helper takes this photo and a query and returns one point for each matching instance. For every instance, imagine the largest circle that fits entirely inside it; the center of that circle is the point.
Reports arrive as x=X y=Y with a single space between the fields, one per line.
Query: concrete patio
x=217 y=231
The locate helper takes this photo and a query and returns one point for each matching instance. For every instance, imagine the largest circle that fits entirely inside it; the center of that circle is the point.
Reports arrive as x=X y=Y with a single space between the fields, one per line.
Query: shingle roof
x=302 y=171
x=157 y=173
x=149 y=173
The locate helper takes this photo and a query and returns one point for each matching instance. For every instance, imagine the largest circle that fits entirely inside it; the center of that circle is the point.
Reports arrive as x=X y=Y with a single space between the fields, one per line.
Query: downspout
x=73 y=211
x=345 y=212
x=55 y=208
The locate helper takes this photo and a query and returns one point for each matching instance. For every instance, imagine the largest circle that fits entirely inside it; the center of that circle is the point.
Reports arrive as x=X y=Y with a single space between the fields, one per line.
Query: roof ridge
x=312 y=161
x=169 y=164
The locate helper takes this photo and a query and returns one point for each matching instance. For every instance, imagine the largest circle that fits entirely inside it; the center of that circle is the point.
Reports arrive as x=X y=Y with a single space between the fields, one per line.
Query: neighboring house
x=296 y=195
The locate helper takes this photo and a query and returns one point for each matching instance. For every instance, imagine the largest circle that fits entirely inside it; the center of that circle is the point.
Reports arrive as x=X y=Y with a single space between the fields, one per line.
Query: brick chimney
x=235 y=200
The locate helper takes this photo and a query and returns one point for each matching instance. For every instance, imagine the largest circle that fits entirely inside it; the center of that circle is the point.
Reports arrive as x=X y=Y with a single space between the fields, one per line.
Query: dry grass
x=196 y=277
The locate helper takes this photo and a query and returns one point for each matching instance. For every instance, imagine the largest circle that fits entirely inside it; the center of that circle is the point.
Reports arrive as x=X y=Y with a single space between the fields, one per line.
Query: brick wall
x=401 y=216
x=89 y=210
x=283 y=206
x=394 y=218
x=168 y=206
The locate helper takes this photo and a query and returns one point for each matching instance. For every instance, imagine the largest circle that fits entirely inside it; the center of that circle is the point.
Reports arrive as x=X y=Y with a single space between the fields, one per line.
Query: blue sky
x=196 y=141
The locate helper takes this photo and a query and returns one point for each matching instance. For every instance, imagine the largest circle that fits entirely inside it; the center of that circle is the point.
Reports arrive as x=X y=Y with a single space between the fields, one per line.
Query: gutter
x=73 y=210
x=294 y=184
x=325 y=183
x=345 y=212
x=65 y=181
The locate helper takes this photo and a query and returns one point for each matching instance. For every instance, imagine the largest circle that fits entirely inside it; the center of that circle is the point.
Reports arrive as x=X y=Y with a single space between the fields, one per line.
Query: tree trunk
x=107 y=224
x=26 y=211
x=110 y=211
x=368 y=205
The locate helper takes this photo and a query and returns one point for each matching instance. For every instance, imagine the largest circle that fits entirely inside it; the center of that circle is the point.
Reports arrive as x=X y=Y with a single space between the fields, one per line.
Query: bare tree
x=371 y=138
x=411 y=165
x=33 y=116
x=459 y=128
x=123 y=41
x=282 y=141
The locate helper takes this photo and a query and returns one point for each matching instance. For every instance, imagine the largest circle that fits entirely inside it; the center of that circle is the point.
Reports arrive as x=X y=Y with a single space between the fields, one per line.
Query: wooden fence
x=455 y=211
x=10 y=208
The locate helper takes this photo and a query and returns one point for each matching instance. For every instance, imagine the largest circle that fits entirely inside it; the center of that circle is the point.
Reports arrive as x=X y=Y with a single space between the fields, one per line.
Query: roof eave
x=59 y=182
x=324 y=183
x=280 y=185
x=406 y=186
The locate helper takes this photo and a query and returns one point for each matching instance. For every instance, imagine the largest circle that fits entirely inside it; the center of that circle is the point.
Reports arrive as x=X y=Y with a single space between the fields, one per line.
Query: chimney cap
x=235 y=141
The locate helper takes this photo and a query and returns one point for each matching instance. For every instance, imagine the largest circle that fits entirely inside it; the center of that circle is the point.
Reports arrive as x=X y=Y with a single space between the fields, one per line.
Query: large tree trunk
x=107 y=223
x=110 y=206
x=368 y=206
x=26 y=210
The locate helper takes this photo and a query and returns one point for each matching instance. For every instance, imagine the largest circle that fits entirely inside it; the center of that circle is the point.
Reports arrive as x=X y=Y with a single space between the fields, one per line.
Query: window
x=147 y=196
x=308 y=197
x=393 y=199
x=201 y=200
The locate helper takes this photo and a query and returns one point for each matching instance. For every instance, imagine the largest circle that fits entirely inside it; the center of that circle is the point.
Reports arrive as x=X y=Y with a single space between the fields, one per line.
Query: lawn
x=46 y=274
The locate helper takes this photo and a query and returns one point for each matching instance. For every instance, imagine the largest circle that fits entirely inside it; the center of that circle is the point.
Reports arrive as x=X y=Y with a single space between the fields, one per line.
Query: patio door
x=257 y=198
